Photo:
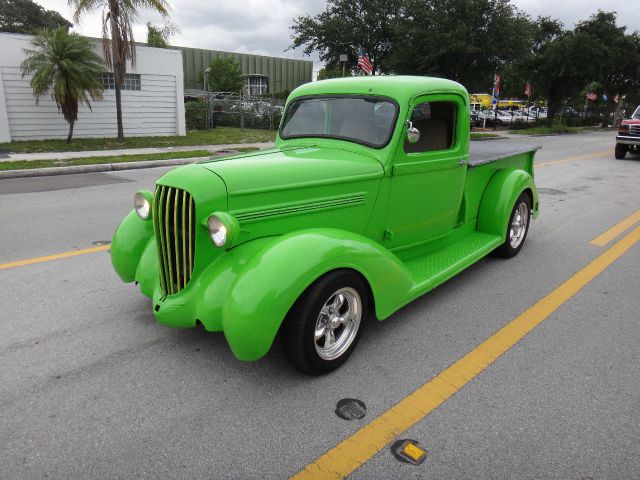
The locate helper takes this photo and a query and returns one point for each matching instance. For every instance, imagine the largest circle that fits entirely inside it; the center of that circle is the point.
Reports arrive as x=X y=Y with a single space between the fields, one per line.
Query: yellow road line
x=57 y=256
x=617 y=230
x=360 y=447
x=572 y=159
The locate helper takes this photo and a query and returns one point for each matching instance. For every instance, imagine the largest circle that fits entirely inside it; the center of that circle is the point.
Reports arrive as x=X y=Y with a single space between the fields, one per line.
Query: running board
x=436 y=267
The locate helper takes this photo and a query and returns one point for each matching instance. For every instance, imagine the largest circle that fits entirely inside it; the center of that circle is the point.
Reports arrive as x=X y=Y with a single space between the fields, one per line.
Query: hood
x=631 y=121
x=283 y=169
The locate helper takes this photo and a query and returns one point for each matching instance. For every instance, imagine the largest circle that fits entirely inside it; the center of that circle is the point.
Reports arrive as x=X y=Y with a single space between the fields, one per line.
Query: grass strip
x=483 y=136
x=29 y=164
x=556 y=129
x=215 y=136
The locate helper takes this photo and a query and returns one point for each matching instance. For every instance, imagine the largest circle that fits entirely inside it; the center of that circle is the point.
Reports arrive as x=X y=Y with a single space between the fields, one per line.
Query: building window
x=131 y=81
x=256 y=85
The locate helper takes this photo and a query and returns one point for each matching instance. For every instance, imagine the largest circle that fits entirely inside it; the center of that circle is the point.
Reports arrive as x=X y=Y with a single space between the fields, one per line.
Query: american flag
x=527 y=89
x=592 y=96
x=364 y=63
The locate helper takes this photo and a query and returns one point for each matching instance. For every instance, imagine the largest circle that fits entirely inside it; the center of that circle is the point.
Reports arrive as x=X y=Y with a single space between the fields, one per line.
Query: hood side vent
x=296 y=208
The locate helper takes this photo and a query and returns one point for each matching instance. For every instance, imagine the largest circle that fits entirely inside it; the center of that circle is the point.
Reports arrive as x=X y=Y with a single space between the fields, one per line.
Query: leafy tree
x=118 y=17
x=225 y=75
x=523 y=69
x=26 y=16
x=464 y=40
x=331 y=71
x=347 y=25
x=159 y=36
x=562 y=67
x=616 y=60
x=64 y=64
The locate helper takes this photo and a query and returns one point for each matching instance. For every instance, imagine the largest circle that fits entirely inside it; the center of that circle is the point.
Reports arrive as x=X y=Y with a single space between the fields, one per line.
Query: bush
x=196 y=115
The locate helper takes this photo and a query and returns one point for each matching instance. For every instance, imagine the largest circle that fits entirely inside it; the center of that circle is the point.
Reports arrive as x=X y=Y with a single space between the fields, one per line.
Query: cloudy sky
x=262 y=26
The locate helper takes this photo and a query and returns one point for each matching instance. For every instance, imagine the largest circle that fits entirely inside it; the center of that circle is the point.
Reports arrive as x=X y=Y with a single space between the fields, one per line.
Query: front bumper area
x=627 y=140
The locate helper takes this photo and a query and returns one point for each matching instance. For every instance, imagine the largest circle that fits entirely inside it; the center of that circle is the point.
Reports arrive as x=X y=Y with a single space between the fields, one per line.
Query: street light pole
x=206 y=79
x=344 y=58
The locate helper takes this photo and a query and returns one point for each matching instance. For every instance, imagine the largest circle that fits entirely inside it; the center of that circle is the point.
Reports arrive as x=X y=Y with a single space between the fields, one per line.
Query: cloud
x=573 y=11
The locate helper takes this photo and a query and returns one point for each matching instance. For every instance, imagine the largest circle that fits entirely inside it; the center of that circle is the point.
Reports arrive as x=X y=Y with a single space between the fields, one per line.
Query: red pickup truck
x=628 y=138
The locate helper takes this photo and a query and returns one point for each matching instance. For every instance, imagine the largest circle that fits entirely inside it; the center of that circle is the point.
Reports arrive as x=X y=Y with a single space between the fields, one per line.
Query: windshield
x=366 y=120
x=636 y=114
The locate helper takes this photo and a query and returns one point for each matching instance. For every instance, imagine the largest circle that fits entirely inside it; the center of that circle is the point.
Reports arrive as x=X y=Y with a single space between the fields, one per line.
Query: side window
x=436 y=123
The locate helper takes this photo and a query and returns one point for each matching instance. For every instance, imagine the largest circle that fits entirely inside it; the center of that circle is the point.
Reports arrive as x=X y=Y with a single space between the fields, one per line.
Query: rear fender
x=270 y=282
x=499 y=197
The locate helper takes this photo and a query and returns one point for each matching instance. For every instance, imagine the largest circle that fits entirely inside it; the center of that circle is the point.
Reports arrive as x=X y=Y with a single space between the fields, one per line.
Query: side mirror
x=413 y=134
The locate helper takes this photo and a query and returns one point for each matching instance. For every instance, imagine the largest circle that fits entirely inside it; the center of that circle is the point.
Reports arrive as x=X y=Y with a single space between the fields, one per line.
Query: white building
x=152 y=98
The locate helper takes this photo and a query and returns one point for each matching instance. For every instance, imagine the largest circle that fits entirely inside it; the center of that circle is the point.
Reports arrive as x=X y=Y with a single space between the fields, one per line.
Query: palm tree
x=64 y=64
x=117 y=20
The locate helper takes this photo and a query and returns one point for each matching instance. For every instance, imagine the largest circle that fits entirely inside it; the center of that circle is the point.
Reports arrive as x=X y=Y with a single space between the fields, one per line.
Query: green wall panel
x=283 y=73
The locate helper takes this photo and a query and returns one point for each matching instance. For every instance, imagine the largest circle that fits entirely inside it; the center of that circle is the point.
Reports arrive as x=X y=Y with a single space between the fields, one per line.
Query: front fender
x=128 y=243
x=269 y=283
x=499 y=197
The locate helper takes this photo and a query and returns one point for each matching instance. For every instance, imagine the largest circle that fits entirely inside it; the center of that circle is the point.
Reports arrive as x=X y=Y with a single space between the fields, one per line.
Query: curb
x=100 y=167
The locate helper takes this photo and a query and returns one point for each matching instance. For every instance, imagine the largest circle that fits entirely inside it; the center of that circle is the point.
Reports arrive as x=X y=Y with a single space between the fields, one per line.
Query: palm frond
x=65 y=65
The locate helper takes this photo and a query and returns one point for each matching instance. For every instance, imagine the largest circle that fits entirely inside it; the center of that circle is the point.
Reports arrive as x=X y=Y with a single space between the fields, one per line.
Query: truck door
x=428 y=177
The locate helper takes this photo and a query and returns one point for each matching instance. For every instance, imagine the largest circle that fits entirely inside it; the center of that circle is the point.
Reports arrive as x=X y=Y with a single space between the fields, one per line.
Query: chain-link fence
x=205 y=110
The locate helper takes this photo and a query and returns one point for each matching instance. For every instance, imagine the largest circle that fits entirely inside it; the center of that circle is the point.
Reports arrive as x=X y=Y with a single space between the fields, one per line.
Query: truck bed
x=487 y=151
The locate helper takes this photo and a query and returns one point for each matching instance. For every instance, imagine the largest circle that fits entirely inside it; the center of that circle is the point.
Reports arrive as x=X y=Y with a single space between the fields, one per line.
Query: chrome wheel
x=338 y=323
x=519 y=223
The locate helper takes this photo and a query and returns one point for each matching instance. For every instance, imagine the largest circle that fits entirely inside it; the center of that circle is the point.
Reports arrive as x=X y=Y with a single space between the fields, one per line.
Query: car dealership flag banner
x=527 y=90
x=364 y=62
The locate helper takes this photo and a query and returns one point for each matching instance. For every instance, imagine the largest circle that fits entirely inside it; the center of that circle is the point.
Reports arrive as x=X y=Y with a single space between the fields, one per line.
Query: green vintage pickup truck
x=370 y=199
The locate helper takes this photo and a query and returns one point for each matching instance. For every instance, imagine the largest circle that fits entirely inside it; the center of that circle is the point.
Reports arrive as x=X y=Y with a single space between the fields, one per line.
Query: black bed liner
x=487 y=151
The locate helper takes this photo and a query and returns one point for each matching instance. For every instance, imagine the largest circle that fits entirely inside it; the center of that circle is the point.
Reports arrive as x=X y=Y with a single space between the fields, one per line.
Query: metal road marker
x=617 y=230
x=57 y=256
x=364 y=444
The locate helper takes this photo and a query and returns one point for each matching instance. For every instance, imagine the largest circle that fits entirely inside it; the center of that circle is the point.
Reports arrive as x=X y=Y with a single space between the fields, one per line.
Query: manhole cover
x=351 y=409
x=408 y=451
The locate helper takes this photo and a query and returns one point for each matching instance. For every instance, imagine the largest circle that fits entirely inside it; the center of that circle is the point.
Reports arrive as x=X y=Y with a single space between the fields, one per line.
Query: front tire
x=323 y=327
x=517 y=228
x=621 y=151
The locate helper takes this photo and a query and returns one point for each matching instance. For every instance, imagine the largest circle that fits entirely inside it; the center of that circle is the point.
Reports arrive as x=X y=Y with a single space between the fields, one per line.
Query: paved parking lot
x=92 y=387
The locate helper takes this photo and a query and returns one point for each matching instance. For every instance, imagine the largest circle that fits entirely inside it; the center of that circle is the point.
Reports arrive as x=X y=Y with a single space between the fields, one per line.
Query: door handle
x=462 y=161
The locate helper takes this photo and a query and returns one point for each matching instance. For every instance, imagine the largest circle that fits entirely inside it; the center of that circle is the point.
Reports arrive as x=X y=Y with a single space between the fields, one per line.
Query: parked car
x=628 y=138
x=503 y=118
x=538 y=112
x=523 y=116
x=352 y=215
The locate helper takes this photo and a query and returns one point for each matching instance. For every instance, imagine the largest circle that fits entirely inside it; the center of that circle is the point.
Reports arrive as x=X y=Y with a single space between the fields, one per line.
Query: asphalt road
x=92 y=387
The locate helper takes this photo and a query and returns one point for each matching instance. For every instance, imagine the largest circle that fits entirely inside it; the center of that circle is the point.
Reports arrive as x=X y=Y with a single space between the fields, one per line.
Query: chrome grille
x=174 y=222
x=634 y=130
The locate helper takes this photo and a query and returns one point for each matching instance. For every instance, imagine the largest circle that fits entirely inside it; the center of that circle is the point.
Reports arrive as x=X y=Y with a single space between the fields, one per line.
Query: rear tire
x=621 y=151
x=517 y=228
x=324 y=325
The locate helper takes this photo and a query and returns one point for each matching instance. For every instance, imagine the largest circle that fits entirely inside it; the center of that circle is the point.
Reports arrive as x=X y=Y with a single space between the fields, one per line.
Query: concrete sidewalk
x=12 y=157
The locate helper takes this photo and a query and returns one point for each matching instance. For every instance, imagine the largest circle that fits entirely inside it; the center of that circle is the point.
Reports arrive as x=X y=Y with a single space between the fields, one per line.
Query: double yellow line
x=359 y=448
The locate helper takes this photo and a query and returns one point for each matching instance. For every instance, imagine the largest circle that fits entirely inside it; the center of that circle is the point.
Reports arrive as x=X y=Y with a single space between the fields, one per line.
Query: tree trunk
x=119 y=111
x=117 y=67
x=70 y=132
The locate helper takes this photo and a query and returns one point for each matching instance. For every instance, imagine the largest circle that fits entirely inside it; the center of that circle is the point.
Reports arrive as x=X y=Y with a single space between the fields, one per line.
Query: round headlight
x=217 y=231
x=142 y=205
